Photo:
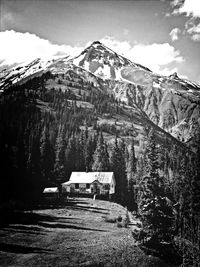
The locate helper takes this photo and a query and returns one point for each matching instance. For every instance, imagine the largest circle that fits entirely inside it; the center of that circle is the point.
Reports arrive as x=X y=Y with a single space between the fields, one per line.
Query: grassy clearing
x=72 y=234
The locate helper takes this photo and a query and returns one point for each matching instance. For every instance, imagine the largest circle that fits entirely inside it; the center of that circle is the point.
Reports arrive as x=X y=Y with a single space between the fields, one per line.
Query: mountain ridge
x=170 y=102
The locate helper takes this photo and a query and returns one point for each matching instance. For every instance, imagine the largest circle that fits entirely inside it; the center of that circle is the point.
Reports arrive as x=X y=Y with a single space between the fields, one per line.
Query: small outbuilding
x=94 y=183
x=51 y=193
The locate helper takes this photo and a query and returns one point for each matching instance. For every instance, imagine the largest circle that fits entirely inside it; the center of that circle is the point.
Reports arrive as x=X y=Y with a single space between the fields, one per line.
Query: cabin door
x=96 y=189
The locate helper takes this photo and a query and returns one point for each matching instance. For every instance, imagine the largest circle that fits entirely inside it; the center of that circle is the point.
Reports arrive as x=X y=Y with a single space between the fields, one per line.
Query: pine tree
x=71 y=155
x=47 y=155
x=156 y=213
x=118 y=166
x=80 y=147
x=59 y=169
x=34 y=163
x=195 y=186
x=132 y=162
x=88 y=153
x=101 y=159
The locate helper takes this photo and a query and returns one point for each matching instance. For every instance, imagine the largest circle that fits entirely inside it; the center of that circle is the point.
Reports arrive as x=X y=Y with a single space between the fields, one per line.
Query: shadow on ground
x=39 y=223
x=22 y=249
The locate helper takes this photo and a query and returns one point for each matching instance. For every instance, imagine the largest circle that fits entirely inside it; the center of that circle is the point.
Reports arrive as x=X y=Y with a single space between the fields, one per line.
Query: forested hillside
x=48 y=132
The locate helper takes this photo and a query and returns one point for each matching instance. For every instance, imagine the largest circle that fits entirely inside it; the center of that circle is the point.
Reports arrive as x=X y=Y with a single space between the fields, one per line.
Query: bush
x=119 y=224
x=110 y=219
x=119 y=218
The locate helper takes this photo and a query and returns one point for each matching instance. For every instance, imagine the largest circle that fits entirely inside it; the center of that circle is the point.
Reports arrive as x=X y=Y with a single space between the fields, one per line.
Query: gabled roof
x=96 y=181
x=89 y=177
x=51 y=190
x=66 y=183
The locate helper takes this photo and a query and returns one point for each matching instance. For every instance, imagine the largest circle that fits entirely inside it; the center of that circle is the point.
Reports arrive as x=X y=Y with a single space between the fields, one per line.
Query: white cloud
x=191 y=9
x=193 y=29
x=167 y=71
x=18 y=47
x=195 y=37
x=174 y=34
x=120 y=47
x=154 y=56
x=188 y=7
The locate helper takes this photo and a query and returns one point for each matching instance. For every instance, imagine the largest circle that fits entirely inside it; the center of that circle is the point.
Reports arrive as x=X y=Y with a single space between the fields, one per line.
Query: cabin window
x=76 y=186
x=106 y=186
x=88 y=186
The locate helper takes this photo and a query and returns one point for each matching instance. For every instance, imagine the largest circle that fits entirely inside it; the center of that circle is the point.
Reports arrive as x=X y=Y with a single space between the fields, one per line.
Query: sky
x=162 y=35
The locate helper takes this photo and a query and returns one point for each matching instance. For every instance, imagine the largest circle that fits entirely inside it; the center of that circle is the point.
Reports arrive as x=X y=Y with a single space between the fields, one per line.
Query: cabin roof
x=90 y=177
x=51 y=190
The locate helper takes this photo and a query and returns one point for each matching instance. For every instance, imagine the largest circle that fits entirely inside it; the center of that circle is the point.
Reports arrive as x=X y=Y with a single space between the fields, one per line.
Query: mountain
x=171 y=103
x=105 y=63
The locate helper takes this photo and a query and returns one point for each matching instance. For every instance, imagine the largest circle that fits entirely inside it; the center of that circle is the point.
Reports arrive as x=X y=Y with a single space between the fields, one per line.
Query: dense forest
x=45 y=134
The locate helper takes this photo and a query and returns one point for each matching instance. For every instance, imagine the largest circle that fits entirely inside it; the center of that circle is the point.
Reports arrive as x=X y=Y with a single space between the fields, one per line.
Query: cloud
x=125 y=31
x=154 y=56
x=174 y=34
x=191 y=9
x=187 y=7
x=120 y=47
x=17 y=47
x=194 y=30
x=195 y=37
x=167 y=71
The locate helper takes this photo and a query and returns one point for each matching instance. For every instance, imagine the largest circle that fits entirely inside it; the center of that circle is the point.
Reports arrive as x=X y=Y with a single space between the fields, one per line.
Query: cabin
x=92 y=183
x=51 y=193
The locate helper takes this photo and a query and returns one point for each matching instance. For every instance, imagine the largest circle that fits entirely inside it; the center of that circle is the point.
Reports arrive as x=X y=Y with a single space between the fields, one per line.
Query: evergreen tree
x=59 y=169
x=47 y=155
x=132 y=162
x=88 y=153
x=101 y=159
x=34 y=164
x=80 y=147
x=118 y=166
x=157 y=215
x=71 y=155
x=195 y=185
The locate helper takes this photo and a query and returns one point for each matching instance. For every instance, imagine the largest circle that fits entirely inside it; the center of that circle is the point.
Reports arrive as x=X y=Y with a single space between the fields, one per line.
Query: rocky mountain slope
x=171 y=103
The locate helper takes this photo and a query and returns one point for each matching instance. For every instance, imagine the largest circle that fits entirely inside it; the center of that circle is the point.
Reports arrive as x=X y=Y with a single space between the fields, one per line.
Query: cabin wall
x=81 y=189
x=112 y=186
x=96 y=187
x=103 y=189
x=51 y=196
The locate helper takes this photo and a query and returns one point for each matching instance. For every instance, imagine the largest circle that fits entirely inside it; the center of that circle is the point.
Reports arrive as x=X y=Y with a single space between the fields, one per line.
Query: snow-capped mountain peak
x=104 y=62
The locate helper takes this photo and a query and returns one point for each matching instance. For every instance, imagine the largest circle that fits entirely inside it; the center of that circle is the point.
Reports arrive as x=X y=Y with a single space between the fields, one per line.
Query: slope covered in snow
x=104 y=62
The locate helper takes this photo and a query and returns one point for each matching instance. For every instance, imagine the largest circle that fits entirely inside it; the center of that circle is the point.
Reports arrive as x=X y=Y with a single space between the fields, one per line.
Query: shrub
x=125 y=223
x=110 y=219
x=119 y=224
x=119 y=218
